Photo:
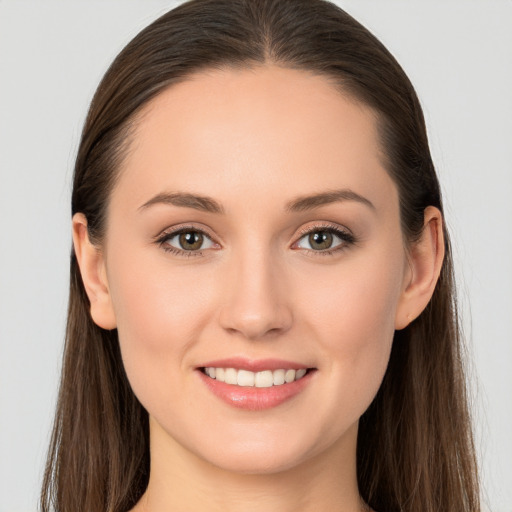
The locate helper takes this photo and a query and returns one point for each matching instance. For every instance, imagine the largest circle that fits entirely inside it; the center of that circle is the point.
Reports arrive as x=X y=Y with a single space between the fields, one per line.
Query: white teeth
x=278 y=377
x=289 y=376
x=264 y=379
x=230 y=376
x=246 y=378
x=300 y=373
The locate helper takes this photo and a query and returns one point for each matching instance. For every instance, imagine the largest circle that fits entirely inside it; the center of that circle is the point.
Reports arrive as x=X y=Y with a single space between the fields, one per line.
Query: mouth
x=255 y=386
x=261 y=379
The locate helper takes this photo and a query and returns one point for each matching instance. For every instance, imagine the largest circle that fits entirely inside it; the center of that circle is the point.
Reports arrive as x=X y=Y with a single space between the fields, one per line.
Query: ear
x=425 y=261
x=94 y=276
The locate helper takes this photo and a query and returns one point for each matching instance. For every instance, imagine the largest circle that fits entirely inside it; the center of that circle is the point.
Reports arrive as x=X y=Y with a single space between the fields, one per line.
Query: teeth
x=245 y=378
x=278 y=377
x=219 y=373
x=300 y=373
x=289 y=376
x=264 y=379
x=230 y=376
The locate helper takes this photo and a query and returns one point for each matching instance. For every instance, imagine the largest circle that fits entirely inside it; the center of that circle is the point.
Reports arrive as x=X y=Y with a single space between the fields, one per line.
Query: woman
x=262 y=309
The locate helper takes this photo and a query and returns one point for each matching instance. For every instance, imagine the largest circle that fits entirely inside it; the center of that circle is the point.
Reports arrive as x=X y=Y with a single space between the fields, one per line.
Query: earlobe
x=92 y=268
x=425 y=261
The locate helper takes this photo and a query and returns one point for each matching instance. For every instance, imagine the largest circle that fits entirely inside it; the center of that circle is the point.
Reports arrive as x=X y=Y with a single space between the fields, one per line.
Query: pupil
x=191 y=240
x=320 y=239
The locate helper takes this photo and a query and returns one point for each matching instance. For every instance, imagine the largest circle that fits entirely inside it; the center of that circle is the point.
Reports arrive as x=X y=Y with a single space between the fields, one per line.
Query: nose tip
x=256 y=305
x=255 y=326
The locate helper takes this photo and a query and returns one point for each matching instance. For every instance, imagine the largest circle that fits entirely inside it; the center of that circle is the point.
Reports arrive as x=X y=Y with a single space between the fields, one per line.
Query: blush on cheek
x=358 y=332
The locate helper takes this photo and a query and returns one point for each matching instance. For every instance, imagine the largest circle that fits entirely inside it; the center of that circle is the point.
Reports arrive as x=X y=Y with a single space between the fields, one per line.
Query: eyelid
x=180 y=228
x=341 y=232
x=174 y=231
x=323 y=225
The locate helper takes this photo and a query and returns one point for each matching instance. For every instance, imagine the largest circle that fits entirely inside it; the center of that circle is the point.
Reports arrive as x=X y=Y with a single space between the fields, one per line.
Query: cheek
x=359 y=300
x=159 y=316
x=156 y=298
x=354 y=318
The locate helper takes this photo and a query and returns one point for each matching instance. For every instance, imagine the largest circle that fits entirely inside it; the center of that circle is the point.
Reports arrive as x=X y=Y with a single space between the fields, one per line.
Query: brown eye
x=320 y=240
x=325 y=240
x=186 y=241
x=191 y=240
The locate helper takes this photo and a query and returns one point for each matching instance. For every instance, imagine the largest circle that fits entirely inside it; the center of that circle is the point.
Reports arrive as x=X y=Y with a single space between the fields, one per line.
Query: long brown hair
x=415 y=450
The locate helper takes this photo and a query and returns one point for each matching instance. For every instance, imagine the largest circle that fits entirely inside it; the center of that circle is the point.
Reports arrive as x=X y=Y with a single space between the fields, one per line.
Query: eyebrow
x=310 y=202
x=198 y=202
x=300 y=204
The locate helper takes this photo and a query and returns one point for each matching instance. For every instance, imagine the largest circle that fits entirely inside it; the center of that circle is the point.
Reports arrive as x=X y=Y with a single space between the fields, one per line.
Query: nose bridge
x=255 y=303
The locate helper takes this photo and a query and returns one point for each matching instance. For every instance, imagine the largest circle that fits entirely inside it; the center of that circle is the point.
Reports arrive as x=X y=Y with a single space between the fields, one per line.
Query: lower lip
x=253 y=398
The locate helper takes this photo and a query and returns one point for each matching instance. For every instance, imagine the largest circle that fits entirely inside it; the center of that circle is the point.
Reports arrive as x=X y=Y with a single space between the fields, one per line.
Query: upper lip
x=254 y=365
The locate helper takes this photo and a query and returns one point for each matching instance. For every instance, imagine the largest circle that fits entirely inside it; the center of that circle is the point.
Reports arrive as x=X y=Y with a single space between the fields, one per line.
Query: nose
x=255 y=300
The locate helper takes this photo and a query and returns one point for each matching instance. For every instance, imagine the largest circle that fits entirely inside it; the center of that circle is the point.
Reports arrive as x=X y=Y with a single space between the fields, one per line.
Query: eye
x=185 y=240
x=325 y=240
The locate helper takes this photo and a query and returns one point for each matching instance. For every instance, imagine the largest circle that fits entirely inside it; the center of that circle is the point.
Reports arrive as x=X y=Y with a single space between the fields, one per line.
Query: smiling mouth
x=261 y=379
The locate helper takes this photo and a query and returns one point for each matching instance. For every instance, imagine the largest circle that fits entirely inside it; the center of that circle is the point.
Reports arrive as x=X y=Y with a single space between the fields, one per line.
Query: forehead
x=254 y=133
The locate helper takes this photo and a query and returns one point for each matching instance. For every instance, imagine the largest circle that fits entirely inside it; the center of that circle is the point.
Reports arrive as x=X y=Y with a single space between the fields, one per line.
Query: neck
x=180 y=480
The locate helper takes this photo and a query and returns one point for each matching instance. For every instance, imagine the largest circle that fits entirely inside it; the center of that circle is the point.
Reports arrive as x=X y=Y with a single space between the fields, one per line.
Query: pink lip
x=241 y=363
x=252 y=398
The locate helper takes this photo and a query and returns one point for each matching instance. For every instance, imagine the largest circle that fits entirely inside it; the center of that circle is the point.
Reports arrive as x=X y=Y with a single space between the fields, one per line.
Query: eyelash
x=346 y=237
x=167 y=235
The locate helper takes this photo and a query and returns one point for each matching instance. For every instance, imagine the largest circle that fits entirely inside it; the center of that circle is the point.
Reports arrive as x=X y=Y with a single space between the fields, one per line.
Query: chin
x=263 y=456
x=258 y=463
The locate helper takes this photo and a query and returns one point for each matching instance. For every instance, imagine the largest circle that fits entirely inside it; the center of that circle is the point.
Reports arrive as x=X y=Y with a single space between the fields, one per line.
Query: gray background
x=52 y=55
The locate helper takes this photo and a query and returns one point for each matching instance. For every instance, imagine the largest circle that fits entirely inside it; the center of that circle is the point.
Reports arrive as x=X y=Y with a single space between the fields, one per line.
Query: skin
x=255 y=140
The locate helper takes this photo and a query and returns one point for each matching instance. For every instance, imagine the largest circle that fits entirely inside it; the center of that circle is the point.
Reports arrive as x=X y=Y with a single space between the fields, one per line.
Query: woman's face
x=254 y=227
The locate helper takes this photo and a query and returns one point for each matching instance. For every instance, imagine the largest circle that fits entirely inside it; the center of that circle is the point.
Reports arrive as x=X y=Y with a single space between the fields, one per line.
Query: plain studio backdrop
x=458 y=55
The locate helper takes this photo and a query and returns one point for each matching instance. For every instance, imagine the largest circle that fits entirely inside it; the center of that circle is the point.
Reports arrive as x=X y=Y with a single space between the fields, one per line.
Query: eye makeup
x=322 y=234
x=182 y=234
